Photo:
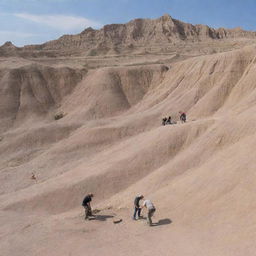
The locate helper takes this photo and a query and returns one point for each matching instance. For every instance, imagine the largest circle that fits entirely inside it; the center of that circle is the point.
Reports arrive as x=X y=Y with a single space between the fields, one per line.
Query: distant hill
x=136 y=34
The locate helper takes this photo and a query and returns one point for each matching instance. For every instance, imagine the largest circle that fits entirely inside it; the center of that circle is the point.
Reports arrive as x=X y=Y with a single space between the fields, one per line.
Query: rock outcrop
x=119 y=38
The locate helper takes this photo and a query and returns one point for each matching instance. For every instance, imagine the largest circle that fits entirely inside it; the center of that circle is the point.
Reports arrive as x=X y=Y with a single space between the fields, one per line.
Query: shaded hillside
x=29 y=92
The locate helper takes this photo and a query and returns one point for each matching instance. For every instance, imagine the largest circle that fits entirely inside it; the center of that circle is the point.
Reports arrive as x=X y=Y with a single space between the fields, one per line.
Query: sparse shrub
x=93 y=52
x=164 y=68
x=58 y=116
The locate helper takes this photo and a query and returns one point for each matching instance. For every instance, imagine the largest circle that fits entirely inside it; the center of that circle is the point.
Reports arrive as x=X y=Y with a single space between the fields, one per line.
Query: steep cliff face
x=143 y=32
x=136 y=33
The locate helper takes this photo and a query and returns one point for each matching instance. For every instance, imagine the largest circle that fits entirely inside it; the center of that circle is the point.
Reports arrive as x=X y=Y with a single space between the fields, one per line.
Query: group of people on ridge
x=166 y=121
x=137 y=208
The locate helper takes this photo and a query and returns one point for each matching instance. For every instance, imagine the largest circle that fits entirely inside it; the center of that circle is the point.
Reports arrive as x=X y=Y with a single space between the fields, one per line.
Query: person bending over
x=87 y=205
x=151 y=210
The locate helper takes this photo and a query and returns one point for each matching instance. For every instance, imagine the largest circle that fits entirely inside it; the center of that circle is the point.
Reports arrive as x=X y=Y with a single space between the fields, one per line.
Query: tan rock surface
x=200 y=175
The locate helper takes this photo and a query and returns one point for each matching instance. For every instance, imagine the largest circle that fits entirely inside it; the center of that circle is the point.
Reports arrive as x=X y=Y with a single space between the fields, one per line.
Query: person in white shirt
x=151 y=210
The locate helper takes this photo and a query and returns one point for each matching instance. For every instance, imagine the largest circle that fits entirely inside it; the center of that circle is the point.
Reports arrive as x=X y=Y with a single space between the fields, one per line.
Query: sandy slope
x=200 y=175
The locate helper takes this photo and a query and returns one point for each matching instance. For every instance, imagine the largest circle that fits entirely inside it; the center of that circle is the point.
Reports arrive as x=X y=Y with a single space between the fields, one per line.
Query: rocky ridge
x=158 y=33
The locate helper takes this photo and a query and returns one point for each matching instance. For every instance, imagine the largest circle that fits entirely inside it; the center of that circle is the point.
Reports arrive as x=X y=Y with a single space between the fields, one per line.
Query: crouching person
x=87 y=206
x=151 y=210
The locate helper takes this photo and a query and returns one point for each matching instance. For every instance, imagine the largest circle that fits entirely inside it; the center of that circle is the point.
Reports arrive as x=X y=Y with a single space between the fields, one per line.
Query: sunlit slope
x=112 y=127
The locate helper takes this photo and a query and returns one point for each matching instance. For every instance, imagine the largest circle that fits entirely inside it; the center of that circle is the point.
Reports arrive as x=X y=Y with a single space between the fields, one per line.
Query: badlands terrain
x=113 y=86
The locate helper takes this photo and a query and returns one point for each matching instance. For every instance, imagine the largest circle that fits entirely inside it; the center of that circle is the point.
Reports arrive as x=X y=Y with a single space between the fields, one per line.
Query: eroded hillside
x=111 y=141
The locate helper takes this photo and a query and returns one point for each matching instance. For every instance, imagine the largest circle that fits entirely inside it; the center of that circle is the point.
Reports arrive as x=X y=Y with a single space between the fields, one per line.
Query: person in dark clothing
x=183 y=117
x=164 y=121
x=169 y=120
x=87 y=206
x=137 y=208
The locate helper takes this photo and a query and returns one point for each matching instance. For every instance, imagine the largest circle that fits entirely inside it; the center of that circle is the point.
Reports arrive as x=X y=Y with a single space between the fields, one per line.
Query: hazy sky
x=37 y=21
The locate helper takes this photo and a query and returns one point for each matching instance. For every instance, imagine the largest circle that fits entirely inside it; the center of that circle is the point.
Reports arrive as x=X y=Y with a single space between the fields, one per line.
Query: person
x=33 y=177
x=151 y=210
x=87 y=205
x=137 y=208
x=164 y=121
x=183 y=117
x=169 y=120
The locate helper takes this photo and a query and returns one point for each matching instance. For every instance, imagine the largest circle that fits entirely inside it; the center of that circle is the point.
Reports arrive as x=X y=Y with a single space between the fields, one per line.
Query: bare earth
x=200 y=175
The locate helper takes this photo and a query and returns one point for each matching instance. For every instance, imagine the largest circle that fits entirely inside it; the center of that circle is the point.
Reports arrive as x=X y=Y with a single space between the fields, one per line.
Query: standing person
x=87 y=206
x=183 y=117
x=151 y=210
x=137 y=208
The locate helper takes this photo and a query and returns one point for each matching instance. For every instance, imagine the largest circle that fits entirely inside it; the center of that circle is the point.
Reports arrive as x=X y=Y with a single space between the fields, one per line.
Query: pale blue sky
x=37 y=21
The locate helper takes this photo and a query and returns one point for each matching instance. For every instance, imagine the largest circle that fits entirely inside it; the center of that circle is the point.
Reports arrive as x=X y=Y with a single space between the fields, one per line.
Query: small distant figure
x=137 y=208
x=87 y=206
x=164 y=120
x=151 y=210
x=169 y=120
x=183 y=117
x=33 y=176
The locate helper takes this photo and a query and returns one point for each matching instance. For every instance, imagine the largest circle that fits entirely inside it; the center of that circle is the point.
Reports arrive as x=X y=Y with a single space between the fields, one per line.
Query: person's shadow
x=101 y=217
x=162 y=222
